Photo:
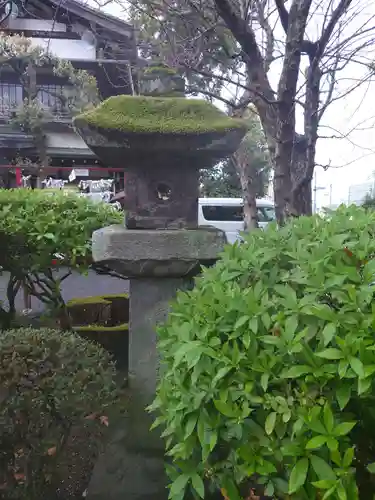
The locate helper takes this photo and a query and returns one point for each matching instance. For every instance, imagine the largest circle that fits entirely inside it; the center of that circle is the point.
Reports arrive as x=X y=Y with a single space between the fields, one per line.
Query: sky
x=351 y=158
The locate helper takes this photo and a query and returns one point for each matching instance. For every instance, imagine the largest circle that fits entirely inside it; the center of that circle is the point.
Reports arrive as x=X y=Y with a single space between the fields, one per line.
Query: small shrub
x=35 y=226
x=51 y=385
x=270 y=366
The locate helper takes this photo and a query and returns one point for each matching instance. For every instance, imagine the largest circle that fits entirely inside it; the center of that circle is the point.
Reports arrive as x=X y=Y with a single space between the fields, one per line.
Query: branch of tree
x=327 y=33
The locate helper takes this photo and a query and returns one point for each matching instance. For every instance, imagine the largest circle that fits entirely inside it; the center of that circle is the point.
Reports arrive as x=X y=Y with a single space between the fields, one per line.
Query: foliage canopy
x=270 y=363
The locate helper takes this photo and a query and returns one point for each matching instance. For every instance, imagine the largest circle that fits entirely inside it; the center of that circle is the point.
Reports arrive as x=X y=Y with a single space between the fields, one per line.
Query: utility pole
x=315 y=189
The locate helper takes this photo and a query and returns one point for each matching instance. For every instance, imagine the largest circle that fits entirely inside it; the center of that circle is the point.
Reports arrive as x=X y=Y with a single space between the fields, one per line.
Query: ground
x=75 y=286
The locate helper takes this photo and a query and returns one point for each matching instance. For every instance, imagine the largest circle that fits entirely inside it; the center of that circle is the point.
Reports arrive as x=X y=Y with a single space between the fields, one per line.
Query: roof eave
x=106 y=20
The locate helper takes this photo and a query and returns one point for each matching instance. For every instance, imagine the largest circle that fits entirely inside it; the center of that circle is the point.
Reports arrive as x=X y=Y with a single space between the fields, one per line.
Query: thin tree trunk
x=248 y=185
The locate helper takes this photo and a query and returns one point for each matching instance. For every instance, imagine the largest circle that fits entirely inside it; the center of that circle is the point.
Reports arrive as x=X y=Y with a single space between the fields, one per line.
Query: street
x=73 y=287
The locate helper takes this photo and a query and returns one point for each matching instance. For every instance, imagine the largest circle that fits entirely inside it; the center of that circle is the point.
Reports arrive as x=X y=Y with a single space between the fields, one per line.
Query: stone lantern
x=162 y=143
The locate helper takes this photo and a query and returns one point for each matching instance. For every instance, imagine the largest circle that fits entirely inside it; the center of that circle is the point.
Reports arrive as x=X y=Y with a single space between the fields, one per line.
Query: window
x=223 y=213
x=234 y=213
x=11 y=96
x=266 y=214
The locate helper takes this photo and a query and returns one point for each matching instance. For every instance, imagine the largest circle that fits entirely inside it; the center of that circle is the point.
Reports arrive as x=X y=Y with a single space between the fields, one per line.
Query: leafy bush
x=51 y=384
x=35 y=226
x=270 y=363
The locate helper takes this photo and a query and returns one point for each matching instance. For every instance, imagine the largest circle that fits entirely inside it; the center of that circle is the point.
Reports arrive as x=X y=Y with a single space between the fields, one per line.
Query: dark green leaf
x=371 y=468
x=231 y=489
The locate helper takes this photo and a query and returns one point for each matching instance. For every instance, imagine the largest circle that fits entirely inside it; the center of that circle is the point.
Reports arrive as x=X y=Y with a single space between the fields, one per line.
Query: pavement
x=73 y=287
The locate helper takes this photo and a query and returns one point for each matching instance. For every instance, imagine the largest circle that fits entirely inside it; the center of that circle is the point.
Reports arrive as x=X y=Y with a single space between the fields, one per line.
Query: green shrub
x=35 y=226
x=51 y=385
x=270 y=363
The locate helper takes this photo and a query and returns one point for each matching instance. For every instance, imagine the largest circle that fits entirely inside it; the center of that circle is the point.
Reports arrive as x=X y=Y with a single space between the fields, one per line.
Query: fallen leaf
x=91 y=417
x=224 y=493
x=104 y=420
x=51 y=451
x=253 y=496
x=19 y=477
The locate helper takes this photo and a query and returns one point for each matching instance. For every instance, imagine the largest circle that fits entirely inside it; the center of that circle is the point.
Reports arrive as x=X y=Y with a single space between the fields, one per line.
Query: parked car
x=227 y=214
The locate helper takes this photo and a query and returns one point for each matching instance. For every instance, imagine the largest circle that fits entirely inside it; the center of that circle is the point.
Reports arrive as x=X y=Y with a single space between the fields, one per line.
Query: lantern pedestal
x=159 y=263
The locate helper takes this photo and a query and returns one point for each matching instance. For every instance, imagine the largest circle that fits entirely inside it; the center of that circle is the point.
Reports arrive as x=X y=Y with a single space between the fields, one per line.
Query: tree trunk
x=248 y=185
x=302 y=199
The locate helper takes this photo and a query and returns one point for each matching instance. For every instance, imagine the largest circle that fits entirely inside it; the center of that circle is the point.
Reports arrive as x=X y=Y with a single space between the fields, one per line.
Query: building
x=357 y=193
x=99 y=43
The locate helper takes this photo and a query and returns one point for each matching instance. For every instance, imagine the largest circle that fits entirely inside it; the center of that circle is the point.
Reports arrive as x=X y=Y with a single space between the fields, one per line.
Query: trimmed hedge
x=269 y=366
x=56 y=391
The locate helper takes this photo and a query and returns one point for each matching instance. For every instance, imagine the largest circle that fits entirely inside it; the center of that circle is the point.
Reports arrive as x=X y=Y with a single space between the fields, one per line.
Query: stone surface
x=164 y=253
x=161 y=198
x=132 y=466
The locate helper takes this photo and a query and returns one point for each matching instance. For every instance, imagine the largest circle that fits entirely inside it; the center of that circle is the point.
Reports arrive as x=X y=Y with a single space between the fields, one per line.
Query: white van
x=227 y=214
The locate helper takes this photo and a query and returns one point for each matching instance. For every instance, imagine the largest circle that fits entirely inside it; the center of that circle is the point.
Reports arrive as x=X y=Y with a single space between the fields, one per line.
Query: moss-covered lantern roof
x=134 y=131
x=172 y=115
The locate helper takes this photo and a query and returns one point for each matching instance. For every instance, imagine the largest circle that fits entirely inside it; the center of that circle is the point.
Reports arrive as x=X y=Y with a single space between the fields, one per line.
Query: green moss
x=116 y=296
x=142 y=114
x=101 y=329
x=166 y=70
x=87 y=301
x=99 y=299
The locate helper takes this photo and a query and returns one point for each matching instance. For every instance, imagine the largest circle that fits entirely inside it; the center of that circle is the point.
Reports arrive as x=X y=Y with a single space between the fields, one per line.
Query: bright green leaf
x=316 y=442
x=241 y=321
x=344 y=428
x=330 y=353
x=225 y=408
x=296 y=371
x=341 y=493
x=324 y=484
x=178 y=486
x=371 y=468
x=328 y=333
x=270 y=423
x=343 y=395
x=357 y=366
x=322 y=469
x=328 y=418
x=198 y=485
x=348 y=457
x=298 y=475
x=364 y=384
x=264 y=381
